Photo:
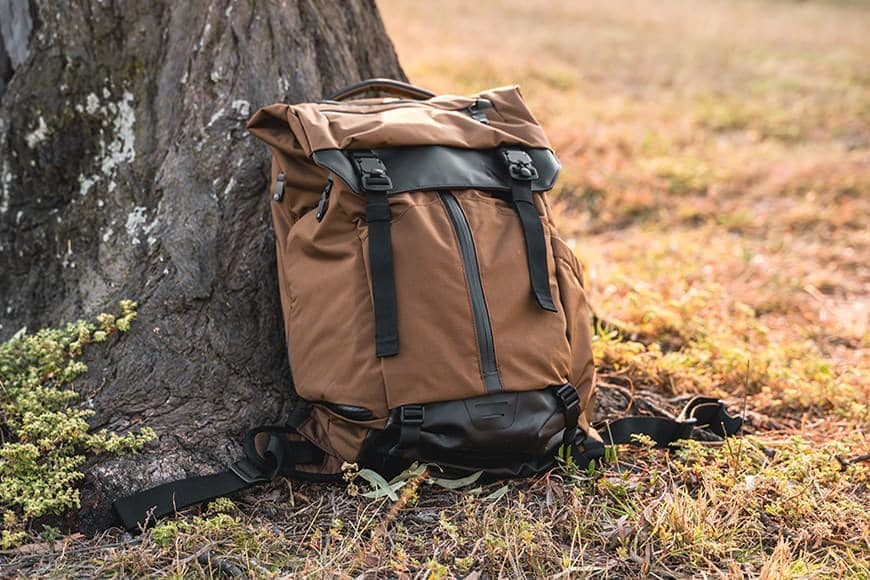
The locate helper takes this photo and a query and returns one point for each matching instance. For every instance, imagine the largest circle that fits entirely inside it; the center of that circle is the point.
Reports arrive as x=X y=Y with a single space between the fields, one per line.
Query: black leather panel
x=437 y=167
x=504 y=434
x=351 y=412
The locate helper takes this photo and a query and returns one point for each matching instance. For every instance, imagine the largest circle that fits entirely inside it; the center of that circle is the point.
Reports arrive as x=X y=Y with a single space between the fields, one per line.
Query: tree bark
x=126 y=172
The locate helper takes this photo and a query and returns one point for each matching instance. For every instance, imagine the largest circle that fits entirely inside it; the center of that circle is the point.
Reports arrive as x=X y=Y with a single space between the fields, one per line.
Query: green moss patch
x=45 y=437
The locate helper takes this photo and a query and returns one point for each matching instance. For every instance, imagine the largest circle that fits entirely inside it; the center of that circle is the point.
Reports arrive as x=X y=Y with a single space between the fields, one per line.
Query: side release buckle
x=568 y=395
x=519 y=164
x=372 y=172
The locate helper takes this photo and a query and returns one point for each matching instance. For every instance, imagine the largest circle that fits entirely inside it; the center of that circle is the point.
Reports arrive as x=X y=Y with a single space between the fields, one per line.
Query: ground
x=716 y=187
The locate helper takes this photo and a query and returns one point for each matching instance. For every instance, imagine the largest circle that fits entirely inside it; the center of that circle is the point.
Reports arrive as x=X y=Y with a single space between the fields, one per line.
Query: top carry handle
x=389 y=86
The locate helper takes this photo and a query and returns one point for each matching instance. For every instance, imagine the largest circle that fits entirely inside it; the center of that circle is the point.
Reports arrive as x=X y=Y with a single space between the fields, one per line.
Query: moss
x=45 y=438
x=164 y=535
x=133 y=71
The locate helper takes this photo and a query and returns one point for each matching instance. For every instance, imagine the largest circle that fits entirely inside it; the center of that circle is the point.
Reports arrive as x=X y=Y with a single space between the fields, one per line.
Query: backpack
x=432 y=313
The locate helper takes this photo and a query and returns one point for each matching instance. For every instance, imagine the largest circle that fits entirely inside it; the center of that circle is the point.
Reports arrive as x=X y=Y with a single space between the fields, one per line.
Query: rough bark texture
x=126 y=172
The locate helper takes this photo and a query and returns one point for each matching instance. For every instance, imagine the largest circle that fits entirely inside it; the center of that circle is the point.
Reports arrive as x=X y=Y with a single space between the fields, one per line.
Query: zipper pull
x=278 y=192
x=323 y=204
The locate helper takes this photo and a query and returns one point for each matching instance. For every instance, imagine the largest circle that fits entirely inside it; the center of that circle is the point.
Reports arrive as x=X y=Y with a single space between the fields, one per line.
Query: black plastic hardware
x=323 y=204
x=248 y=472
x=519 y=164
x=278 y=192
x=568 y=395
x=411 y=415
x=373 y=173
x=476 y=110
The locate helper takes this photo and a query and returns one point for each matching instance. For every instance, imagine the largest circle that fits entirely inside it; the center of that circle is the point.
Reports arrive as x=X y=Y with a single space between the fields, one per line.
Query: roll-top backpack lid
x=422 y=143
x=447 y=120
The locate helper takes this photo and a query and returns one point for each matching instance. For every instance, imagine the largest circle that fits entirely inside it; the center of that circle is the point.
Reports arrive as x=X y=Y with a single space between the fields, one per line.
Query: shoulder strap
x=701 y=412
x=269 y=453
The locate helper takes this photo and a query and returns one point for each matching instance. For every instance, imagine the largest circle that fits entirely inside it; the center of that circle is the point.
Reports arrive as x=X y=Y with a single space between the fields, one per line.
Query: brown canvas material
x=324 y=267
x=399 y=123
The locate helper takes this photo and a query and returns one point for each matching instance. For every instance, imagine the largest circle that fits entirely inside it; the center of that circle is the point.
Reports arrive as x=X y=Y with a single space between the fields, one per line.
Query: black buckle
x=411 y=415
x=568 y=395
x=475 y=109
x=372 y=172
x=248 y=472
x=519 y=164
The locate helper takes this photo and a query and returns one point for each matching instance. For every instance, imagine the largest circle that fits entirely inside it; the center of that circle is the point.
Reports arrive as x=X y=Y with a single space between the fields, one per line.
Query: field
x=715 y=182
x=716 y=187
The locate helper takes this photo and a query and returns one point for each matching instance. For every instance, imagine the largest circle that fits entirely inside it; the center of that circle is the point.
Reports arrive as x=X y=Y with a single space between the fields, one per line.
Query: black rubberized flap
x=437 y=167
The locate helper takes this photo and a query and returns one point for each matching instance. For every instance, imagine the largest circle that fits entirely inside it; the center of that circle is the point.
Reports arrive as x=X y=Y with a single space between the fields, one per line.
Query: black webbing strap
x=570 y=400
x=376 y=184
x=700 y=412
x=143 y=508
x=410 y=423
x=281 y=456
x=523 y=172
x=661 y=430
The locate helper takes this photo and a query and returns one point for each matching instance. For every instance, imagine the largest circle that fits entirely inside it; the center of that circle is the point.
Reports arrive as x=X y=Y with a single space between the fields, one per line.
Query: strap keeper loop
x=248 y=472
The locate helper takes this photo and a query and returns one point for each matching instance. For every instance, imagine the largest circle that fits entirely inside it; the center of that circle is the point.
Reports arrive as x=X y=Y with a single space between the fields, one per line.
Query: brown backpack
x=431 y=310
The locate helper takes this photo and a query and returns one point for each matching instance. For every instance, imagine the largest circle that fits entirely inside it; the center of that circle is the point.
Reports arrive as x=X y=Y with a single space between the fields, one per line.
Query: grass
x=716 y=171
x=775 y=508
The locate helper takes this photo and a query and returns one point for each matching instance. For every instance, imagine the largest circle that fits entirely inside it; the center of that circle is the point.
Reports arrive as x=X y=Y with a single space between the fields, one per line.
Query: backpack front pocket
x=531 y=344
x=438 y=357
x=468 y=323
x=327 y=281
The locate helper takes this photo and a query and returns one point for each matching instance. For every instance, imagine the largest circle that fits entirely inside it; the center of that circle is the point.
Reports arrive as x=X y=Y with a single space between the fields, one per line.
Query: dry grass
x=781 y=508
x=716 y=186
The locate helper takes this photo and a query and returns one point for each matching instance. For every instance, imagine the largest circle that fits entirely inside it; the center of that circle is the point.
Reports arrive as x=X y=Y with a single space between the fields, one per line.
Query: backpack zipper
x=323 y=204
x=474 y=110
x=485 y=343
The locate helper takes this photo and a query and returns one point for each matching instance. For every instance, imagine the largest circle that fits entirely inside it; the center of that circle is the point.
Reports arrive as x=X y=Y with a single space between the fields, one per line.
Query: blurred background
x=716 y=178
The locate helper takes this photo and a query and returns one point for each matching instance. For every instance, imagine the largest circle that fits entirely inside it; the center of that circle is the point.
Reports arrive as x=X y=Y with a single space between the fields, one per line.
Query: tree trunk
x=126 y=172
